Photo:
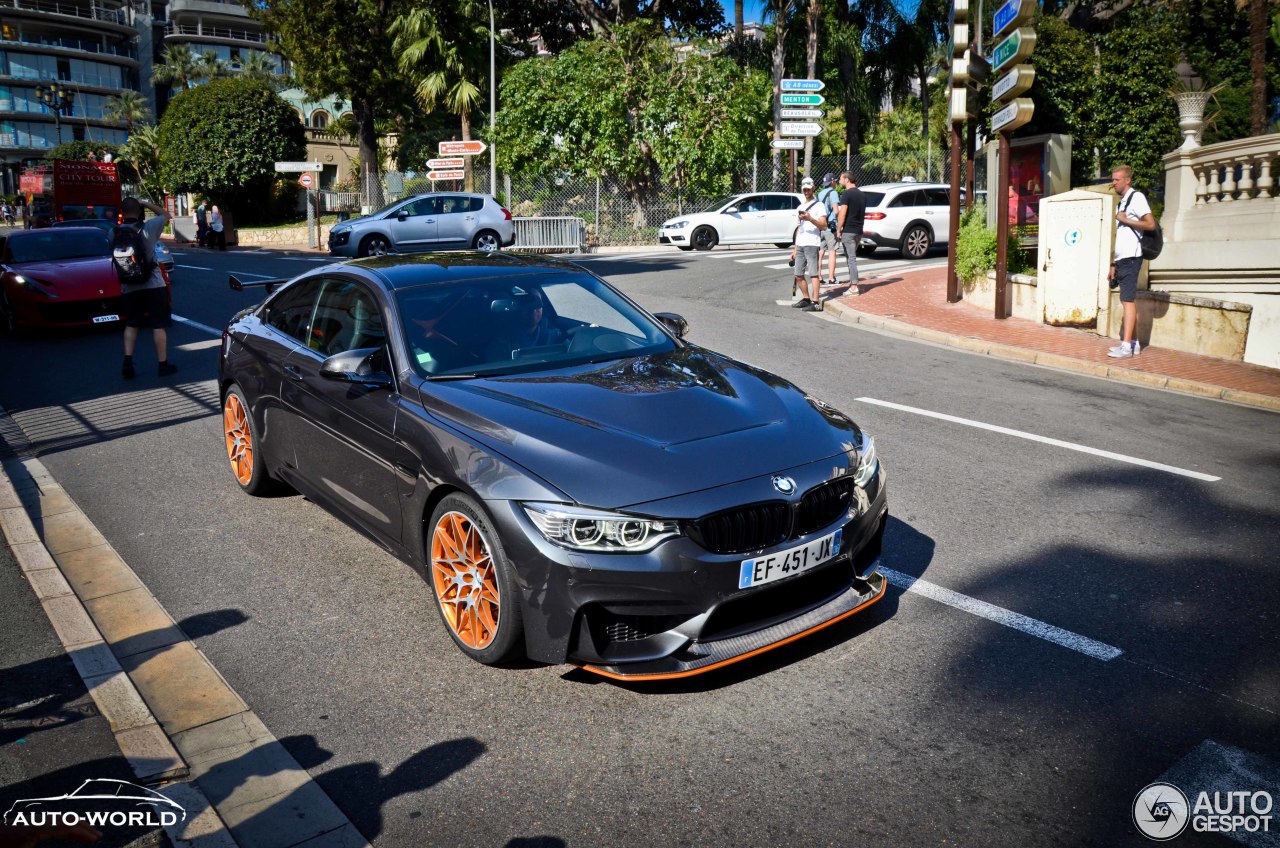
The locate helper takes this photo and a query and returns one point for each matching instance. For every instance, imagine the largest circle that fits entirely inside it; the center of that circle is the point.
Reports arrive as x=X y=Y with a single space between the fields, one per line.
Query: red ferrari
x=58 y=278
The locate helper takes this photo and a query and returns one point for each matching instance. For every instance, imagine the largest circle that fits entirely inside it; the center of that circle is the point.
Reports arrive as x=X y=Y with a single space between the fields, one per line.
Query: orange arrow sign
x=445 y=175
x=462 y=148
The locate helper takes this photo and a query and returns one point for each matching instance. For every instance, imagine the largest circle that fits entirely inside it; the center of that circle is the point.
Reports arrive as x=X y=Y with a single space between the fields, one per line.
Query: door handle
x=293 y=372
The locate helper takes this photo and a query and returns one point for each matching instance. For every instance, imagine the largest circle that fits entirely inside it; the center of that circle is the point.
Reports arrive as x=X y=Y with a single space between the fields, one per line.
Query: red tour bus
x=71 y=191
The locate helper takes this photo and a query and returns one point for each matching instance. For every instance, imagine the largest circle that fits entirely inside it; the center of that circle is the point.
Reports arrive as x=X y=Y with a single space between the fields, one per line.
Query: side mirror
x=676 y=324
x=402 y=215
x=357 y=366
x=732 y=210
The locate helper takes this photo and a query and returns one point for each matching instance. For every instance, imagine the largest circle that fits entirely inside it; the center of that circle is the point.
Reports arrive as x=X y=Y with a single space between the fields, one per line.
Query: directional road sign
x=788 y=144
x=1015 y=48
x=804 y=114
x=305 y=180
x=462 y=148
x=445 y=175
x=802 y=99
x=445 y=164
x=802 y=128
x=1014 y=115
x=1018 y=81
x=802 y=85
x=295 y=167
x=1011 y=14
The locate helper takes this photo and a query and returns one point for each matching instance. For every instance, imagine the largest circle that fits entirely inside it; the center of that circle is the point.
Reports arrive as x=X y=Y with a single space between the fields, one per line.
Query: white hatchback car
x=754 y=218
x=910 y=217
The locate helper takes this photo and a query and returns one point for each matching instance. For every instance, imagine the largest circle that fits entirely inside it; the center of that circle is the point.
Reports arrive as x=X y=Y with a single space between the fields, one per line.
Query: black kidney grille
x=823 y=504
x=746 y=528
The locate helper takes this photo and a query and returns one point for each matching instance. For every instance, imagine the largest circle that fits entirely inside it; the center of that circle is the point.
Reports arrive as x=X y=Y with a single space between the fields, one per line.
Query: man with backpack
x=143 y=290
x=202 y=223
x=1132 y=219
x=830 y=200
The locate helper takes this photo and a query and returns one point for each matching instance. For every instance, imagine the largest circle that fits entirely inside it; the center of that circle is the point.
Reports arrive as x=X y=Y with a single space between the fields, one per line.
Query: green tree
x=345 y=48
x=177 y=66
x=259 y=65
x=142 y=153
x=896 y=148
x=126 y=107
x=632 y=108
x=79 y=150
x=222 y=139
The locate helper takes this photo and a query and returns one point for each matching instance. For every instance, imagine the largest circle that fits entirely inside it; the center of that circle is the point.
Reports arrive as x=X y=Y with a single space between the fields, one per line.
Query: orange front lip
x=675 y=675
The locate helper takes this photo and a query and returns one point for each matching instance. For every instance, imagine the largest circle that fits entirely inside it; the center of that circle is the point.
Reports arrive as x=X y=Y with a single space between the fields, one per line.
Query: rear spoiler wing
x=238 y=284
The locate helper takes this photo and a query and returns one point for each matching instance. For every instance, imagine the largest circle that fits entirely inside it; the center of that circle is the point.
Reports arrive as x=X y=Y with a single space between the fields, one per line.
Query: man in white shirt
x=1132 y=218
x=813 y=220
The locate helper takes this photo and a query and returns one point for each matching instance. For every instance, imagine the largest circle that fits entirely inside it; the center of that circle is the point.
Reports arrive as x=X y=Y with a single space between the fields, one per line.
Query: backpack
x=134 y=263
x=1151 y=242
x=826 y=196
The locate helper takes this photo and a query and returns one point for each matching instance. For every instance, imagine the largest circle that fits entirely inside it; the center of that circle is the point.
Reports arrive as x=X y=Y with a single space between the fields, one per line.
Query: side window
x=425 y=206
x=452 y=204
x=477 y=203
x=938 y=196
x=780 y=203
x=754 y=203
x=906 y=198
x=347 y=318
x=290 y=311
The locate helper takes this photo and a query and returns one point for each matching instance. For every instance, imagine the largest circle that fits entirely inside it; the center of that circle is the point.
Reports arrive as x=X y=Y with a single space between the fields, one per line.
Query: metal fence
x=613 y=216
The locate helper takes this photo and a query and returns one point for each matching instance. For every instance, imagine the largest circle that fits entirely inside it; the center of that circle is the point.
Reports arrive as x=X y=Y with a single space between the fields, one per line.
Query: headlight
x=675 y=225
x=34 y=285
x=594 y=530
x=867 y=461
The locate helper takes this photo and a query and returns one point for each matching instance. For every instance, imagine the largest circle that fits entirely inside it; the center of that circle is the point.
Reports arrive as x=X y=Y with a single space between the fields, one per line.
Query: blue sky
x=752 y=10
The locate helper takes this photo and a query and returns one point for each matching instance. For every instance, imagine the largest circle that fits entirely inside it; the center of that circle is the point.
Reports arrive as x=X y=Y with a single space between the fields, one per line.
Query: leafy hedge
x=977 y=246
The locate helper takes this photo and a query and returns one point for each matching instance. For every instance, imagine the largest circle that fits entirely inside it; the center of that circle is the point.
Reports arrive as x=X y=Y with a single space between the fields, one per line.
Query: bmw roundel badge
x=785 y=485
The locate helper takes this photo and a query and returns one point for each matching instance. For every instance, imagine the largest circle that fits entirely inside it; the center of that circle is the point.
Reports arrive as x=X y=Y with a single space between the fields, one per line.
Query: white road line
x=1000 y=615
x=308 y=259
x=730 y=254
x=210 y=330
x=193 y=267
x=251 y=274
x=204 y=345
x=1119 y=457
x=755 y=259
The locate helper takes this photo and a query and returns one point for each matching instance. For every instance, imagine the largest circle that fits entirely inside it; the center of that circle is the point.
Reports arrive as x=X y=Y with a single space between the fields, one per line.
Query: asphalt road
x=920 y=722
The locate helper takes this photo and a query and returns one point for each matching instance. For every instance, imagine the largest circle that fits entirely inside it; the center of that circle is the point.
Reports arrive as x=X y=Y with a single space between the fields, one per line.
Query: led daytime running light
x=582 y=529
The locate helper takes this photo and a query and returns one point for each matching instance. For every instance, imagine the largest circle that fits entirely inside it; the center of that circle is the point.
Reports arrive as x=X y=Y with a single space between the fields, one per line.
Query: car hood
x=89 y=276
x=645 y=428
x=354 y=222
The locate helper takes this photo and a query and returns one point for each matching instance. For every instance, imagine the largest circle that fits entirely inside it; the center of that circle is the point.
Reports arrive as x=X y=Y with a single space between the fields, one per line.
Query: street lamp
x=58 y=100
x=493 y=154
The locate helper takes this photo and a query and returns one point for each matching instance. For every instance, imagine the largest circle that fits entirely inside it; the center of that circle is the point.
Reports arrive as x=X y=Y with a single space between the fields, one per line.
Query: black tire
x=244 y=448
x=486 y=240
x=782 y=245
x=916 y=242
x=704 y=238
x=474 y=582
x=866 y=251
x=8 y=321
x=684 y=247
x=375 y=245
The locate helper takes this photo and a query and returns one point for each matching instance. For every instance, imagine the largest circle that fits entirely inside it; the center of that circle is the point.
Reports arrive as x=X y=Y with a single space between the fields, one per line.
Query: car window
x=778 y=202
x=753 y=203
x=873 y=198
x=477 y=203
x=454 y=204
x=347 y=317
x=906 y=198
x=50 y=244
x=938 y=196
x=290 y=310
x=421 y=206
x=508 y=326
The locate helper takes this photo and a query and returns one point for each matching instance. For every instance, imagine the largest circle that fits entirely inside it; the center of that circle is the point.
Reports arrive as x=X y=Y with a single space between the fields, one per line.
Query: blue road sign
x=803 y=85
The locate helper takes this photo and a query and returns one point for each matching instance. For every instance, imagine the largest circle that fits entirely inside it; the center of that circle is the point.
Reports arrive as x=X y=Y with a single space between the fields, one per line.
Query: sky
x=752 y=10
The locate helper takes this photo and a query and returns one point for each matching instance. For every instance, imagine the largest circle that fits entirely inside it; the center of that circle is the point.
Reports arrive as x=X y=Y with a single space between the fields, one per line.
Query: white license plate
x=105 y=319
x=789 y=562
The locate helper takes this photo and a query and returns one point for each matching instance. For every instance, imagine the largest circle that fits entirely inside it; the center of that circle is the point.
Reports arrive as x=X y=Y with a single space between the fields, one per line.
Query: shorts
x=1127 y=271
x=147 y=309
x=807 y=261
x=829 y=239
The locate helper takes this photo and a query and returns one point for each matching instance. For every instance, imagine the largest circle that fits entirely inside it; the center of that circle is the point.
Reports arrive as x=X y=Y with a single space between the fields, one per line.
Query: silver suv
x=911 y=217
x=437 y=221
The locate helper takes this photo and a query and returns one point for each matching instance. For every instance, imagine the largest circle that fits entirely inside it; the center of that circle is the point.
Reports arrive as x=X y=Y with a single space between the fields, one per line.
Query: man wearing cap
x=813 y=220
x=830 y=201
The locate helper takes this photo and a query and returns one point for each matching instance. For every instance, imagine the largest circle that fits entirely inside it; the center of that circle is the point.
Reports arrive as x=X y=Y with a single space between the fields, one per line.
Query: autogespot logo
x=1160 y=811
x=99 y=803
x=1072 y=238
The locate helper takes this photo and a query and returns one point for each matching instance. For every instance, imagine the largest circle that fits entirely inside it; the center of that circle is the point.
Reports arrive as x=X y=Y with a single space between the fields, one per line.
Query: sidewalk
x=914 y=303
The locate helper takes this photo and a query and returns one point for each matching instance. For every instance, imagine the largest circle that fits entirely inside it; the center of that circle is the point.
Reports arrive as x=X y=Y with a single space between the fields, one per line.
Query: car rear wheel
x=916 y=242
x=782 y=245
x=474 y=582
x=486 y=240
x=375 y=245
x=243 y=447
x=704 y=238
x=8 y=321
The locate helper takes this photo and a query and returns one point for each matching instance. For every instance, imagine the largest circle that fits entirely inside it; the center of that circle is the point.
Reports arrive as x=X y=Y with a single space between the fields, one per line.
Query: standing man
x=830 y=200
x=202 y=223
x=849 y=223
x=813 y=221
x=217 y=238
x=1133 y=216
x=146 y=304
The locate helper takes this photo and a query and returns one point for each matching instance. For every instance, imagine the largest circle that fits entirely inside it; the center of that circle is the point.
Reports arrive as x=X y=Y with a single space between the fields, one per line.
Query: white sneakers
x=1125 y=350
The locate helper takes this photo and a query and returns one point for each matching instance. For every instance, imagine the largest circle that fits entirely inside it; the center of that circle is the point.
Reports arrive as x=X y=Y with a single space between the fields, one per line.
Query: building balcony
x=93 y=83
x=201 y=32
x=225 y=8
x=55 y=44
x=80 y=14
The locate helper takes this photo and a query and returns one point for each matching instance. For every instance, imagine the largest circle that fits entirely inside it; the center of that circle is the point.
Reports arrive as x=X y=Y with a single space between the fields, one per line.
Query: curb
x=1012 y=353
x=175 y=718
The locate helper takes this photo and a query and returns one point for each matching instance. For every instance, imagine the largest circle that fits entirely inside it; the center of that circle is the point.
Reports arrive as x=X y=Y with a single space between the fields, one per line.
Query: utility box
x=1076 y=230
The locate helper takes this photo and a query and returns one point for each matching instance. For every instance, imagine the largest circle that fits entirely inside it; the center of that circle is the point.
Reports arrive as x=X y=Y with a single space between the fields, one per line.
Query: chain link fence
x=613 y=216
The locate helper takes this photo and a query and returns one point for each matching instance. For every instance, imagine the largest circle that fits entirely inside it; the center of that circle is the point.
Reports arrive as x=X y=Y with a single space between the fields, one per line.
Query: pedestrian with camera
x=812 y=217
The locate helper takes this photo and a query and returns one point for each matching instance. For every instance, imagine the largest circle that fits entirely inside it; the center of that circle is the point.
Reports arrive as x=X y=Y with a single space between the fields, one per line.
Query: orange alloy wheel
x=465 y=582
x=239 y=439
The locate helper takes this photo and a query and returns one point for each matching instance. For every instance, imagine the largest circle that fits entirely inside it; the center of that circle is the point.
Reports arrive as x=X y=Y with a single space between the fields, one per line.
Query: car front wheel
x=474 y=583
x=243 y=448
x=375 y=245
x=486 y=240
x=916 y=242
x=704 y=238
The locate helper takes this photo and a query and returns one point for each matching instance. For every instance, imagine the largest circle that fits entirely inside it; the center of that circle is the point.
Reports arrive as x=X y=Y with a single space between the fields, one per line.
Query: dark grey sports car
x=575 y=481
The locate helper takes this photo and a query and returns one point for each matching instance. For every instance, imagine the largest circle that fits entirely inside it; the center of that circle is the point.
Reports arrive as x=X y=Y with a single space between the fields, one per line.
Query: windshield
x=514 y=325
x=51 y=245
x=715 y=207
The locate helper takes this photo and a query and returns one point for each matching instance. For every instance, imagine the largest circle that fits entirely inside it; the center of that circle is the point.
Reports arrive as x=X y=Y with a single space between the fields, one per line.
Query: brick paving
x=919 y=298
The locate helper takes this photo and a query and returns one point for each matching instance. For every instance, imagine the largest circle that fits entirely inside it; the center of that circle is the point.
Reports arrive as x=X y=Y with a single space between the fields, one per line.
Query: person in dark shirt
x=849 y=223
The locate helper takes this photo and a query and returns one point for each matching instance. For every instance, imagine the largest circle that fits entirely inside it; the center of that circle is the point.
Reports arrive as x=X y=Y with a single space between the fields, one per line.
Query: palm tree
x=210 y=67
x=142 y=151
x=260 y=66
x=1257 y=63
x=449 y=62
x=126 y=107
x=177 y=66
x=811 y=64
x=779 y=10
x=737 y=18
